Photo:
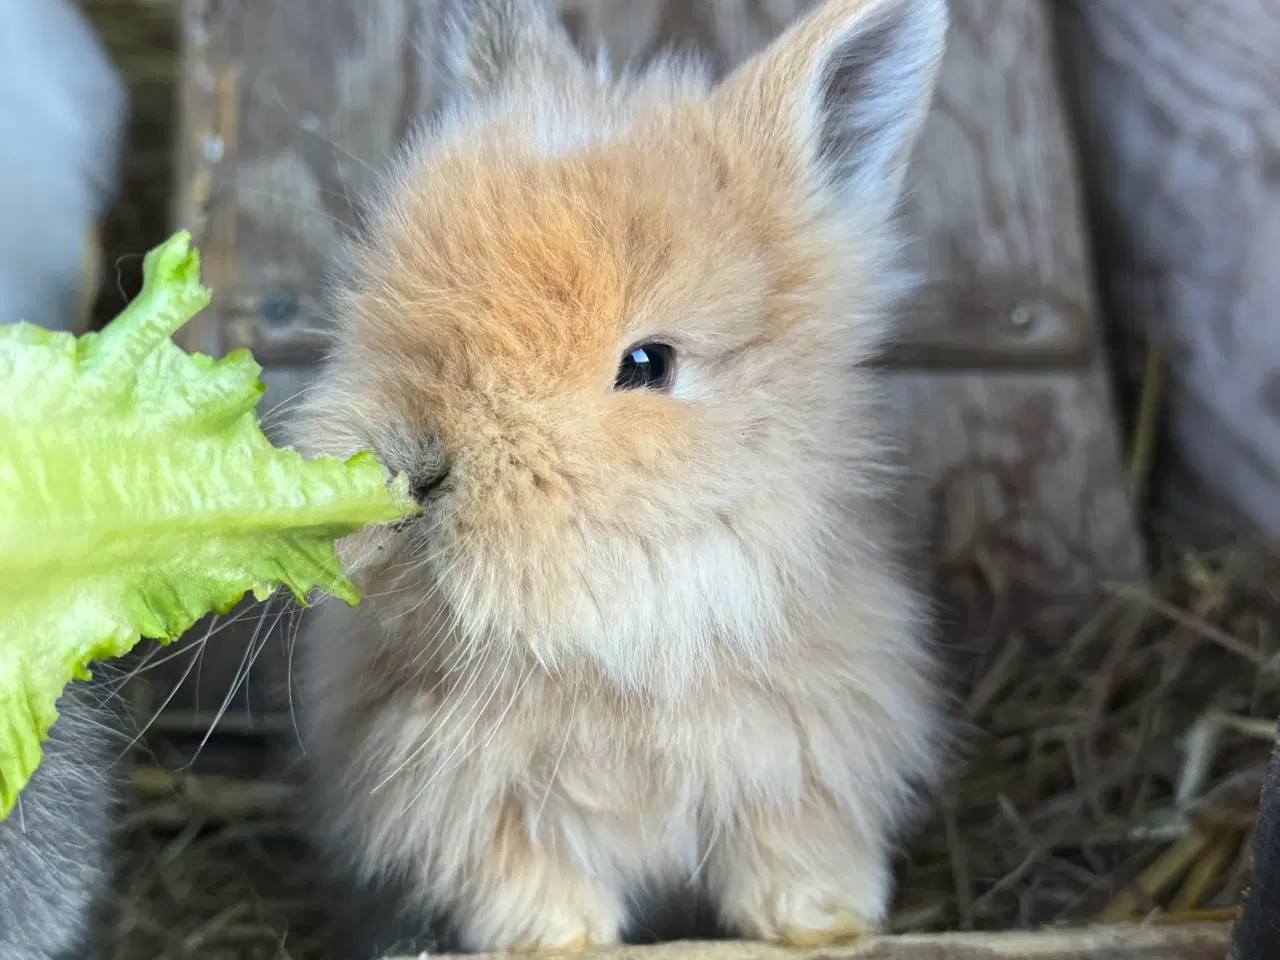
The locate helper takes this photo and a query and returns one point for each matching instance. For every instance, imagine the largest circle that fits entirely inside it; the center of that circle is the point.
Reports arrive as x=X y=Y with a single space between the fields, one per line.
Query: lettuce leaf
x=138 y=494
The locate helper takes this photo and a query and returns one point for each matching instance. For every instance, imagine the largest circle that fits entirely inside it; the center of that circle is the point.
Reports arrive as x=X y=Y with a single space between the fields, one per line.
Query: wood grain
x=994 y=198
x=1176 y=105
x=1120 y=942
x=997 y=377
x=1006 y=468
x=1019 y=465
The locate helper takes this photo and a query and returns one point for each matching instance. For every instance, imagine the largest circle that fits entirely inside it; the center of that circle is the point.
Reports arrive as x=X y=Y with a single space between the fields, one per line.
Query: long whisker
x=167 y=700
x=464 y=737
x=555 y=769
x=434 y=721
x=252 y=650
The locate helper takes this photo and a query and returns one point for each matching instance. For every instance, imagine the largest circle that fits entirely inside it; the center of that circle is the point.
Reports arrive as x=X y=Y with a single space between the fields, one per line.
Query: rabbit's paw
x=565 y=934
x=803 y=918
x=820 y=924
x=807 y=880
x=567 y=920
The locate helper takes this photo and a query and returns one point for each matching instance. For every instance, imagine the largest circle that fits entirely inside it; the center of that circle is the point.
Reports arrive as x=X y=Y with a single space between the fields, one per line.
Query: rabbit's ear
x=840 y=96
x=487 y=47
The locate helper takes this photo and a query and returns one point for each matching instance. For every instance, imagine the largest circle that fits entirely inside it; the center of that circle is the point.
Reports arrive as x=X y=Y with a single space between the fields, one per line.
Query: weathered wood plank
x=994 y=199
x=1023 y=466
x=1120 y=942
x=1176 y=106
x=321 y=89
x=998 y=379
x=1014 y=463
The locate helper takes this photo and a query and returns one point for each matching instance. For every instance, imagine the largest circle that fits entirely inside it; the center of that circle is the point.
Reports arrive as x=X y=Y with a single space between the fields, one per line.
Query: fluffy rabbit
x=650 y=634
x=61 y=117
x=62 y=112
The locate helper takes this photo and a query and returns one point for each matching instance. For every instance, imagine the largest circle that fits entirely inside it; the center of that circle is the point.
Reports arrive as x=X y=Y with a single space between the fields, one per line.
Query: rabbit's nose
x=425 y=484
x=430 y=471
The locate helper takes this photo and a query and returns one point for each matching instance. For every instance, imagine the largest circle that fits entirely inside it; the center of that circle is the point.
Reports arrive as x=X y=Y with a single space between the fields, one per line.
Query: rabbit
x=58 y=843
x=652 y=631
x=63 y=108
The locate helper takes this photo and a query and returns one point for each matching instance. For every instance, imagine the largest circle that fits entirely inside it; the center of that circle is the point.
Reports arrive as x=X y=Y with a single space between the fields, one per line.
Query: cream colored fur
x=638 y=640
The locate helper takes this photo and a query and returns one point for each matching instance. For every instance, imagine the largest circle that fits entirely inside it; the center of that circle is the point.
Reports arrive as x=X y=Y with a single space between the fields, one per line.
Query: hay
x=219 y=883
x=1115 y=777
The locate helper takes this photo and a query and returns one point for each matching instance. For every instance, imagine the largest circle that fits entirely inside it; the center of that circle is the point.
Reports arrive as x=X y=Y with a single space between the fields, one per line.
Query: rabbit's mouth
x=429 y=495
x=404 y=523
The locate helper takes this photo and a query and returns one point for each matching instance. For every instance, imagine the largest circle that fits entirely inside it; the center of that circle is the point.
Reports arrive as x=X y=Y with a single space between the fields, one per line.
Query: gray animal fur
x=56 y=845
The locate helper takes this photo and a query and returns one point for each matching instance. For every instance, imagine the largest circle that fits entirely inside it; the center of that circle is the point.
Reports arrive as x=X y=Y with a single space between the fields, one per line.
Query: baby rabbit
x=61 y=118
x=649 y=634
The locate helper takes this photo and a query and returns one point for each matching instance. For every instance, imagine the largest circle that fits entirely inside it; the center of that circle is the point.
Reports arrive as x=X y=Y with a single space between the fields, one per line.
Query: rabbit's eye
x=646 y=367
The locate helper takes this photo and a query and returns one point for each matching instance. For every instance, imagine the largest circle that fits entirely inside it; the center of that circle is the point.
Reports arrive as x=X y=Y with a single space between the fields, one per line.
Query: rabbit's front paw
x=551 y=930
x=803 y=917
x=804 y=920
x=803 y=878
x=535 y=903
x=566 y=931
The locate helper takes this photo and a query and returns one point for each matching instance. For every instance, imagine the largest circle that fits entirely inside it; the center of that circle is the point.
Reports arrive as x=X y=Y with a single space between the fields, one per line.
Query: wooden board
x=1121 y=942
x=289 y=105
x=1179 y=120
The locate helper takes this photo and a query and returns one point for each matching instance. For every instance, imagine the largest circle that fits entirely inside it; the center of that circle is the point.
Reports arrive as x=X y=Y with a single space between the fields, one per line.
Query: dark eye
x=646 y=367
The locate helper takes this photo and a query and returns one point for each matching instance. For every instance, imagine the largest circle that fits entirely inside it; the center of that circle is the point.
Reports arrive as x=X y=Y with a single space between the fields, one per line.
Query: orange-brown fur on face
x=640 y=638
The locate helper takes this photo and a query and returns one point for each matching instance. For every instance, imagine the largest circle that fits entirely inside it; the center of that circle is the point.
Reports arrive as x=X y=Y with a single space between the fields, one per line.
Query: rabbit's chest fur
x=437 y=748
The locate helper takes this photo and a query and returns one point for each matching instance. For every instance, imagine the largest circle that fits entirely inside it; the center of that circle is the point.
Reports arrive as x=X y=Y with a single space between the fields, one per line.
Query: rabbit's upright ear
x=839 y=98
x=488 y=47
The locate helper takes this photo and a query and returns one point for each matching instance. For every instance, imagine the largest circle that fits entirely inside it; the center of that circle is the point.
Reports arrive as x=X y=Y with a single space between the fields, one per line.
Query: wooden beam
x=1113 y=942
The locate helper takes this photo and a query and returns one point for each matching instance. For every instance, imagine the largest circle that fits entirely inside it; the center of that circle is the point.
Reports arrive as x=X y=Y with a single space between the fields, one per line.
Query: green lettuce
x=138 y=494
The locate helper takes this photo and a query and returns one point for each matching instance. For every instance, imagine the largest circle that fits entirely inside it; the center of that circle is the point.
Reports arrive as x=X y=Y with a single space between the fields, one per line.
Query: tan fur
x=642 y=640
